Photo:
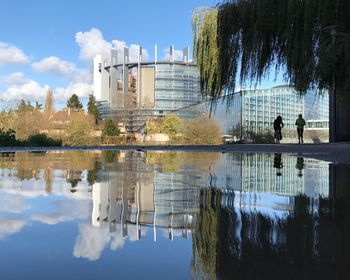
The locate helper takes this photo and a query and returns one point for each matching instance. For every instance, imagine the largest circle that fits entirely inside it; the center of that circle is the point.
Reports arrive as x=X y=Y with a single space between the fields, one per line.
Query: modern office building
x=133 y=92
x=255 y=110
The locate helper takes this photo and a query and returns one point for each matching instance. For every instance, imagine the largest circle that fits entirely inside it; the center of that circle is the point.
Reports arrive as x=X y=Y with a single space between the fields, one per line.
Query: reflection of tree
x=110 y=156
x=92 y=173
x=172 y=161
x=311 y=242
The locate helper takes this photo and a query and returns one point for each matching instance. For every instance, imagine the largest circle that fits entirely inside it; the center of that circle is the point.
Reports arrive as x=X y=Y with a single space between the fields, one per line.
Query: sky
x=51 y=44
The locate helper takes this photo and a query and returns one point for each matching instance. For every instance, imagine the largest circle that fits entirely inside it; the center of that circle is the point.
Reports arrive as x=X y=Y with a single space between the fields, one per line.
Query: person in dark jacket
x=277 y=126
x=300 y=123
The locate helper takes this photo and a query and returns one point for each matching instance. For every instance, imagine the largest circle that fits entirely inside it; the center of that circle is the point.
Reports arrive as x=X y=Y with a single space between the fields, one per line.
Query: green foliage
x=172 y=125
x=153 y=127
x=92 y=108
x=110 y=128
x=309 y=40
x=206 y=49
x=74 y=103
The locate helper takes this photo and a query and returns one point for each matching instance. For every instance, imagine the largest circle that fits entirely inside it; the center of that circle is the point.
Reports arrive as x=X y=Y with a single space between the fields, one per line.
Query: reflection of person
x=300 y=166
x=277 y=126
x=277 y=163
x=300 y=123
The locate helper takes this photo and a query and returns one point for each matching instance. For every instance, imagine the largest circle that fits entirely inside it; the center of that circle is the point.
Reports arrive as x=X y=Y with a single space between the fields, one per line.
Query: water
x=172 y=215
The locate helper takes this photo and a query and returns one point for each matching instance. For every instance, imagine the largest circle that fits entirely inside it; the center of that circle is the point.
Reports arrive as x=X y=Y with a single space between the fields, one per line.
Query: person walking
x=300 y=123
x=277 y=126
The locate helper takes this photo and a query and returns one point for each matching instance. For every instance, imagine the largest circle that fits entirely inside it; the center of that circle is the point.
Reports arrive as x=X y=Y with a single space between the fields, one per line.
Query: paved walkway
x=332 y=152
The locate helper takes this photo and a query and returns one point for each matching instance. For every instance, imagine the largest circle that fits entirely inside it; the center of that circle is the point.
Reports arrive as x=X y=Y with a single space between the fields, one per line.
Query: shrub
x=8 y=137
x=203 y=130
x=42 y=139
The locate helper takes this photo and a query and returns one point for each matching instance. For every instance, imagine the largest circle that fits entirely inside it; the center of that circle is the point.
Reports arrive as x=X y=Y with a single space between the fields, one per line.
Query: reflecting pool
x=172 y=215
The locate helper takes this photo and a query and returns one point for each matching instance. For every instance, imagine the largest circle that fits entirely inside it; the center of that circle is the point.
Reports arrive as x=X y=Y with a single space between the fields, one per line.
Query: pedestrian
x=277 y=126
x=300 y=123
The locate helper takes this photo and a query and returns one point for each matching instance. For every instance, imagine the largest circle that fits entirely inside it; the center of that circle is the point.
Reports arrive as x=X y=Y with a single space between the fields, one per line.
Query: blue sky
x=51 y=43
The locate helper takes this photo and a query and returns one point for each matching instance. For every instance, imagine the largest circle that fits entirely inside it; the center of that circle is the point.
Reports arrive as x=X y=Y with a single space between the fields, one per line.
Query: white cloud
x=81 y=89
x=10 y=226
x=19 y=86
x=81 y=76
x=92 y=43
x=10 y=54
x=54 y=65
x=178 y=54
x=17 y=78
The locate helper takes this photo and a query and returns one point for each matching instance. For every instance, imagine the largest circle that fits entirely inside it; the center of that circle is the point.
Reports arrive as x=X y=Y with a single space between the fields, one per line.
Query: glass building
x=256 y=110
x=176 y=86
x=135 y=92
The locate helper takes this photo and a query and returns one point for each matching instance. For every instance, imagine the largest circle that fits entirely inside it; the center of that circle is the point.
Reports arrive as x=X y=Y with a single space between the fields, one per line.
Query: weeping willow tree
x=246 y=40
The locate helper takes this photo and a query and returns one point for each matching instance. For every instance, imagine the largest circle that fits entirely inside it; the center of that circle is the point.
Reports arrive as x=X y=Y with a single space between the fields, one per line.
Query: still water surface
x=172 y=215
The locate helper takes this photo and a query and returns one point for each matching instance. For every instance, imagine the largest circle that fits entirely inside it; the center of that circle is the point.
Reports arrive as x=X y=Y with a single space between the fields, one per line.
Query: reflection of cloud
x=35 y=188
x=50 y=219
x=10 y=226
x=91 y=242
x=117 y=242
x=12 y=203
x=65 y=210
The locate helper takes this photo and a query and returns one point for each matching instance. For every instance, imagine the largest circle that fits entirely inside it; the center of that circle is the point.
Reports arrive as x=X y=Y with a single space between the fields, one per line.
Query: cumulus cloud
x=10 y=226
x=19 y=86
x=81 y=89
x=10 y=54
x=177 y=53
x=17 y=78
x=92 y=43
x=54 y=65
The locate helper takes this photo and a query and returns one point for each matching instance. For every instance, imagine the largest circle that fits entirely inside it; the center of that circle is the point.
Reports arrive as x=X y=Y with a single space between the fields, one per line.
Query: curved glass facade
x=176 y=86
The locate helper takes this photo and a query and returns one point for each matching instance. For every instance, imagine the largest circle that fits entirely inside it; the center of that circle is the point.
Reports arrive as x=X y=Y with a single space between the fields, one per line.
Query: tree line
x=39 y=124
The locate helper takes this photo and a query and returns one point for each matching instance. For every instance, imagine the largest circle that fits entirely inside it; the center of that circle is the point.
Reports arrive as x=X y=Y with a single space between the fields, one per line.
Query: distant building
x=255 y=110
x=133 y=92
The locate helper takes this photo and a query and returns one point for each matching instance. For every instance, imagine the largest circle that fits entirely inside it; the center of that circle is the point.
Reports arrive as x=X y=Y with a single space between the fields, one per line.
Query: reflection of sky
x=59 y=223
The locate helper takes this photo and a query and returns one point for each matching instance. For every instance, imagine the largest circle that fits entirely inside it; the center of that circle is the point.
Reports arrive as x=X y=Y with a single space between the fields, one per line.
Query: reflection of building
x=136 y=91
x=140 y=198
x=257 y=183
